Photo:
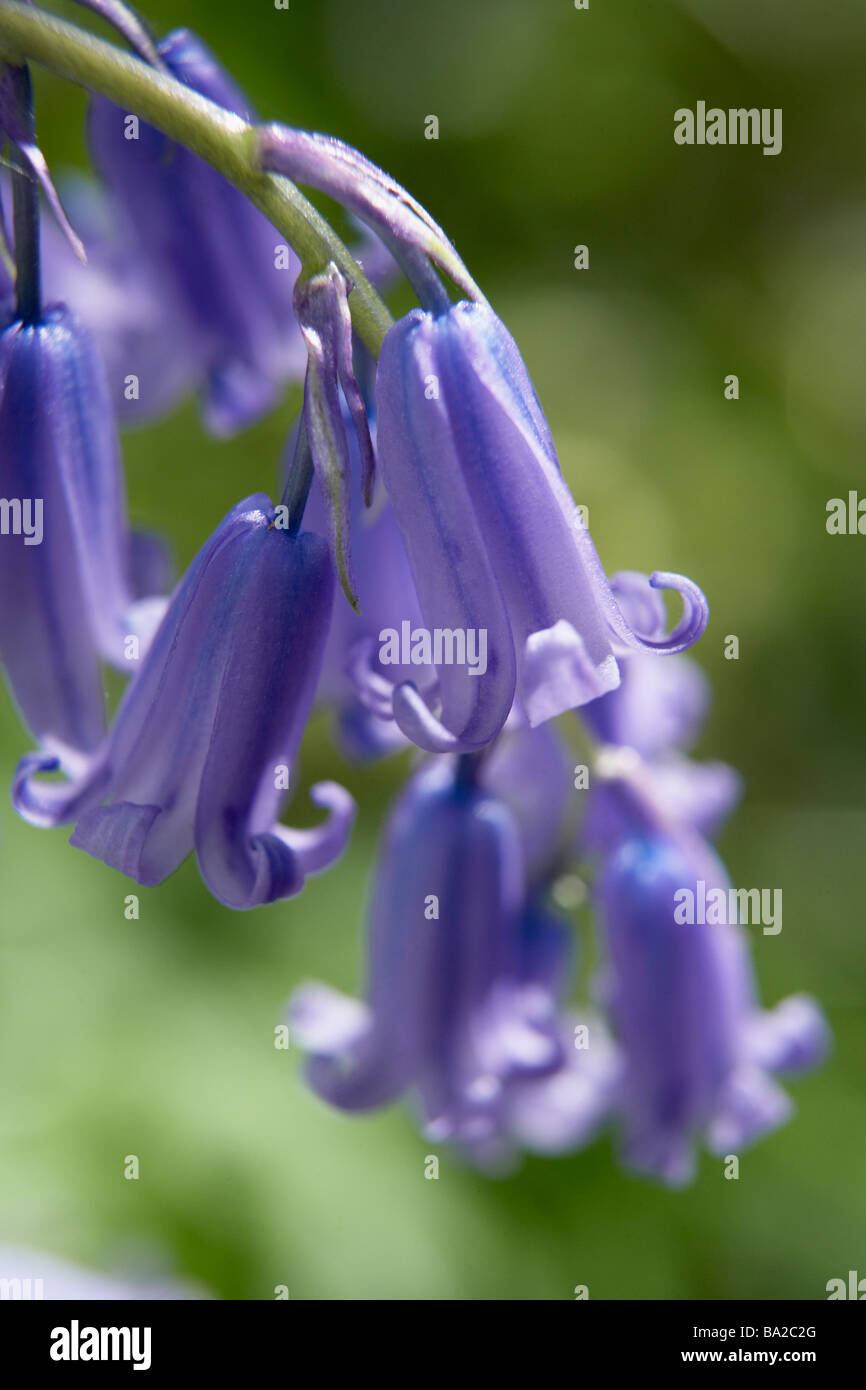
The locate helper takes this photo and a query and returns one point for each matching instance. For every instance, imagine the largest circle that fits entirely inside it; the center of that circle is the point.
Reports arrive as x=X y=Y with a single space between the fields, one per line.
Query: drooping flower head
x=477 y=543
x=495 y=541
x=200 y=754
x=699 y=1054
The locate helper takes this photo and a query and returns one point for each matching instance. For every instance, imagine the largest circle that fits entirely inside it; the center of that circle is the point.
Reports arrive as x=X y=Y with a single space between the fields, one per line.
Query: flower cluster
x=427 y=577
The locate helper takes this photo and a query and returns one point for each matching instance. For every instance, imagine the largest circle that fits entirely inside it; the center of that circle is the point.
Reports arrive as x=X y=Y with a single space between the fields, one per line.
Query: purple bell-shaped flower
x=498 y=549
x=200 y=753
x=699 y=1053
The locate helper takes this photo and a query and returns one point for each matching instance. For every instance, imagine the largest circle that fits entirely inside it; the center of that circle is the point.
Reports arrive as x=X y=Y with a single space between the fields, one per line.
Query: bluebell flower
x=532 y=771
x=495 y=541
x=141 y=330
x=658 y=710
x=699 y=1054
x=119 y=297
x=65 y=555
x=465 y=981
x=216 y=255
x=201 y=751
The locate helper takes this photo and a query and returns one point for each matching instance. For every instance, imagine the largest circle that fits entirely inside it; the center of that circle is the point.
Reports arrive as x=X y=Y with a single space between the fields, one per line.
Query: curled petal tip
x=373 y=690
x=696 y=612
x=331 y=795
x=49 y=804
x=318 y=848
x=26 y=799
x=418 y=722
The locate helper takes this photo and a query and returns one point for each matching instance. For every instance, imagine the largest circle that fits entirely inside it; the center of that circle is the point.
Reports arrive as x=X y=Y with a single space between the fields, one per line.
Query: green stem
x=214 y=134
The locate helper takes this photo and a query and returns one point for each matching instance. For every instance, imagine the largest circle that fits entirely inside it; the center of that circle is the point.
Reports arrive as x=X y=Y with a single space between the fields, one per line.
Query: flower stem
x=299 y=479
x=208 y=130
x=25 y=220
x=469 y=767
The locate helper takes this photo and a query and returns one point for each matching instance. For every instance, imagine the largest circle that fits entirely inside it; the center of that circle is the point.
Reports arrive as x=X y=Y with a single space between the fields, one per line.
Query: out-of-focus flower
x=220 y=262
x=65 y=552
x=117 y=294
x=138 y=325
x=142 y=331
x=465 y=981
x=495 y=541
x=658 y=711
x=201 y=750
x=698 y=1051
x=531 y=770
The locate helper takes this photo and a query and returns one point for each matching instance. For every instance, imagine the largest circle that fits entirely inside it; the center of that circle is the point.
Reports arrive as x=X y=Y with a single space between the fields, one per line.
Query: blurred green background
x=155 y=1037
